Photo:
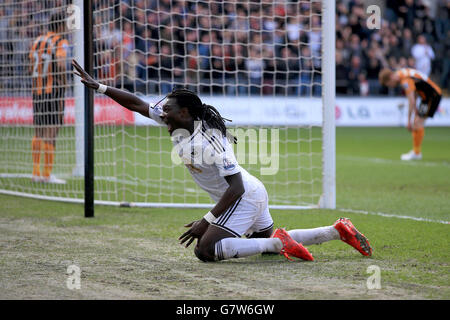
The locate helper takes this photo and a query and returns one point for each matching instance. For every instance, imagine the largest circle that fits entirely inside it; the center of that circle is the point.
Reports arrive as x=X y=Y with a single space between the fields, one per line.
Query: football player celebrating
x=423 y=100
x=241 y=199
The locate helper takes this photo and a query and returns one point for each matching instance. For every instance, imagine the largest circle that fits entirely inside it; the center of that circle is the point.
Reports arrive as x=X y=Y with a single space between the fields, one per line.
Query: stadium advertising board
x=273 y=111
x=270 y=111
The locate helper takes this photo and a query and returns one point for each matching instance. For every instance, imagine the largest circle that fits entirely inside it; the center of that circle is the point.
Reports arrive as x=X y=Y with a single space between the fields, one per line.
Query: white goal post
x=269 y=66
x=329 y=95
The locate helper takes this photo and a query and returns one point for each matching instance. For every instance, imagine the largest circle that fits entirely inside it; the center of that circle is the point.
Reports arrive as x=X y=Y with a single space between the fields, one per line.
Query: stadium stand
x=162 y=33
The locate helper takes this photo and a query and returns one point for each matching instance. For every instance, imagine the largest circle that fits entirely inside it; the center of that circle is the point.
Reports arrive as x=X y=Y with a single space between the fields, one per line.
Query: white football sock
x=314 y=236
x=238 y=247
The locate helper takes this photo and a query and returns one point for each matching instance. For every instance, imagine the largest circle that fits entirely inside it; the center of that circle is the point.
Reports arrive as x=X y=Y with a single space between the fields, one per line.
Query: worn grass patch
x=134 y=254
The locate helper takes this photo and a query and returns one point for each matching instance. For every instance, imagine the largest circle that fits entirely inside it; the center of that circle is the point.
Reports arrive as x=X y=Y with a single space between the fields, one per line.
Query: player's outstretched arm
x=124 y=98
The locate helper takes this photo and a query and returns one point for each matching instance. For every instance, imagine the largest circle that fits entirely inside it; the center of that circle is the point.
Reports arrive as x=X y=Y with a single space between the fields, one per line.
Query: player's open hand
x=196 y=231
x=86 y=79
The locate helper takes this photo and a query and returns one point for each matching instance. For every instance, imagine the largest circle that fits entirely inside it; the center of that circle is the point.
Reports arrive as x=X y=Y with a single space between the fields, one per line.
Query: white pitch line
x=138 y=183
x=388 y=215
x=398 y=162
x=114 y=179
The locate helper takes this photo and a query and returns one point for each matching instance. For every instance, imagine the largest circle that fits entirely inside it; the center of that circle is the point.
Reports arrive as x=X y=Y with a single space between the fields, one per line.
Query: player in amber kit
x=423 y=100
x=48 y=67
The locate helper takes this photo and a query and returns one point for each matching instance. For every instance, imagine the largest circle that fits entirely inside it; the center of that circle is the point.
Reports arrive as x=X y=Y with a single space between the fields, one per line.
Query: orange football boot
x=350 y=235
x=291 y=247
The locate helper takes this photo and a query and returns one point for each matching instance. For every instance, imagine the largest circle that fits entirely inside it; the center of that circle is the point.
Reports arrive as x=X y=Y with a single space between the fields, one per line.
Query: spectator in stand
x=394 y=48
x=355 y=46
x=166 y=65
x=363 y=84
x=127 y=40
x=373 y=68
x=341 y=74
x=203 y=50
x=406 y=42
x=217 y=68
x=269 y=69
x=293 y=72
x=281 y=68
x=238 y=65
x=255 y=68
x=423 y=54
x=407 y=11
x=306 y=71
x=354 y=72
x=192 y=65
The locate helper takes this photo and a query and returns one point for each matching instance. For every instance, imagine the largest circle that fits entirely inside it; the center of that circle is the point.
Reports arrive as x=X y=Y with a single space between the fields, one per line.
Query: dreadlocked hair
x=201 y=111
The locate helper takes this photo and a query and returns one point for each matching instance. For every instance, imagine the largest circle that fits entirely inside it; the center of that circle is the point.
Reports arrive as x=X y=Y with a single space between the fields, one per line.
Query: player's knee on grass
x=205 y=253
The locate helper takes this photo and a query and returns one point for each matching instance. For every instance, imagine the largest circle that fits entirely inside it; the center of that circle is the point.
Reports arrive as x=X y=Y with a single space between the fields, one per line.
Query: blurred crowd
x=260 y=47
x=272 y=47
x=413 y=34
x=232 y=47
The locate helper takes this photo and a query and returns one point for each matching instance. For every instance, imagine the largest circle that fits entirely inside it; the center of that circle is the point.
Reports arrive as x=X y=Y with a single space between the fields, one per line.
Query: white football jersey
x=209 y=157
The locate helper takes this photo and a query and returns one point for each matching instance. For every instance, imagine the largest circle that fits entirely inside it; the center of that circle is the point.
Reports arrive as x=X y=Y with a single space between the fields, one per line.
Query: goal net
x=37 y=102
x=260 y=63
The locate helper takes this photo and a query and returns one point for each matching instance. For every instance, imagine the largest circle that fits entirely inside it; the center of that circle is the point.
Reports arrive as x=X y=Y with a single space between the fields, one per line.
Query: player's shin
x=237 y=247
x=49 y=155
x=417 y=136
x=36 y=145
x=314 y=236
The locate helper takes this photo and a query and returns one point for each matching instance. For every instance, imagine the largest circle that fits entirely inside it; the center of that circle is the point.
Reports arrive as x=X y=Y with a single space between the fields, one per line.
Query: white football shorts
x=248 y=214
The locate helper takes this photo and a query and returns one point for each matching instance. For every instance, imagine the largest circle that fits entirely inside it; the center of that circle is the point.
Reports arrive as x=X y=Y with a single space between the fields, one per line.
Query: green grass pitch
x=130 y=253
